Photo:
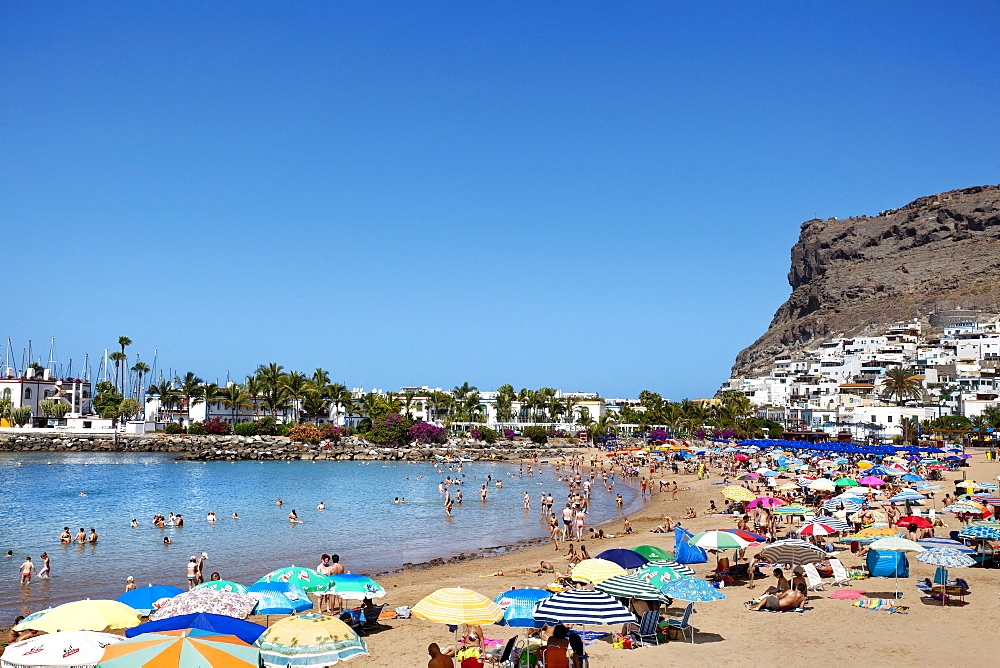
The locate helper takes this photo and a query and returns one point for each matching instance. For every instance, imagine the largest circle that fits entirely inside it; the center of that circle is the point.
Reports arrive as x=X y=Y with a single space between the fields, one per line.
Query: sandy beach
x=829 y=632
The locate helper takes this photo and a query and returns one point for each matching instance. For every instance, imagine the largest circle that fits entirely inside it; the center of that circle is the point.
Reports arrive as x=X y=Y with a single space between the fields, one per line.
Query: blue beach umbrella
x=143 y=598
x=987 y=533
x=518 y=607
x=692 y=589
x=279 y=598
x=911 y=477
x=246 y=631
x=627 y=559
x=931 y=543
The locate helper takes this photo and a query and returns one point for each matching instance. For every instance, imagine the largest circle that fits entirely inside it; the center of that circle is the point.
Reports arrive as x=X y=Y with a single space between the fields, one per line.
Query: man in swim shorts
x=26 y=569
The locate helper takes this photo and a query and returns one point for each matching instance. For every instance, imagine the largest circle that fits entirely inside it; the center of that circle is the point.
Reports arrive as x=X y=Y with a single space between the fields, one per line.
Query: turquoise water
x=40 y=494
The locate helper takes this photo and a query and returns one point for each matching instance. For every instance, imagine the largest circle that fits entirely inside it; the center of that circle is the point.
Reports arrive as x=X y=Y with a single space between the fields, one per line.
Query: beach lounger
x=840 y=576
x=682 y=623
x=645 y=631
x=813 y=581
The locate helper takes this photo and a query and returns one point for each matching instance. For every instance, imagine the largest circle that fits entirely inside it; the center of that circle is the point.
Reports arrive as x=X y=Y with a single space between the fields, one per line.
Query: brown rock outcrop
x=855 y=275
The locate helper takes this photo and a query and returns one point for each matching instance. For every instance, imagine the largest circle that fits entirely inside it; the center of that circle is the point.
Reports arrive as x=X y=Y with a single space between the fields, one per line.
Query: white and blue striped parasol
x=582 y=606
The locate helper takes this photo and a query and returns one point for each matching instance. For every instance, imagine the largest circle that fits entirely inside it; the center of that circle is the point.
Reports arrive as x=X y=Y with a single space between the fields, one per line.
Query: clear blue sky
x=588 y=196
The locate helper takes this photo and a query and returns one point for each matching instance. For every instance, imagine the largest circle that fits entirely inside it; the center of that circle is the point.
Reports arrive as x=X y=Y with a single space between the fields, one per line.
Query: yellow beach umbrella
x=595 y=570
x=88 y=615
x=309 y=640
x=864 y=465
x=737 y=493
x=455 y=605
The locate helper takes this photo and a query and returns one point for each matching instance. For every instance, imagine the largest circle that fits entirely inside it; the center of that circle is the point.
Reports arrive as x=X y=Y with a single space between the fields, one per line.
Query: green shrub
x=485 y=434
x=246 y=429
x=364 y=426
x=536 y=434
x=197 y=429
x=175 y=428
x=282 y=429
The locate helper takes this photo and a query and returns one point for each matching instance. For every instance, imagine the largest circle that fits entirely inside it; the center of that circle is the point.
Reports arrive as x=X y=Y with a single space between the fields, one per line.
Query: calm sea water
x=40 y=494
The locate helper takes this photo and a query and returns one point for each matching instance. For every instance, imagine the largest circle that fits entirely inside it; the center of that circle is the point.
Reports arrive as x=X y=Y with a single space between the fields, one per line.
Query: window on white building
x=27 y=393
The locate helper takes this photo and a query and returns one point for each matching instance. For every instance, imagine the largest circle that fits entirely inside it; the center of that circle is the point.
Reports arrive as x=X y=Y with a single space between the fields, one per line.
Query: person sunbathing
x=793 y=599
x=781 y=585
x=691 y=514
x=544 y=567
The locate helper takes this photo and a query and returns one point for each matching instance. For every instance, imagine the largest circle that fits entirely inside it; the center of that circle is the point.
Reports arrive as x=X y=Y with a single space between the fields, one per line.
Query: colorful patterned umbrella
x=653 y=553
x=692 y=589
x=518 y=607
x=685 y=571
x=737 y=493
x=793 y=510
x=931 y=543
x=455 y=605
x=246 y=631
x=349 y=585
x=595 y=570
x=718 y=540
x=176 y=649
x=222 y=585
x=984 y=532
x=947 y=557
x=306 y=578
x=309 y=640
x=748 y=536
x=144 y=598
x=582 y=606
x=88 y=615
x=631 y=586
x=215 y=602
x=279 y=598
x=63 y=648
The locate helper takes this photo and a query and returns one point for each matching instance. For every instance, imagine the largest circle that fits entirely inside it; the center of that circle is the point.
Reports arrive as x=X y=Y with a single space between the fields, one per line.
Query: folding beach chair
x=682 y=623
x=840 y=576
x=813 y=580
x=646 y=631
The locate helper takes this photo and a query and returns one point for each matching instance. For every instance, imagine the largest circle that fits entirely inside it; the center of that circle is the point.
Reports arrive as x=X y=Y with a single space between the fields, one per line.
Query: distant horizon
x=578 y=195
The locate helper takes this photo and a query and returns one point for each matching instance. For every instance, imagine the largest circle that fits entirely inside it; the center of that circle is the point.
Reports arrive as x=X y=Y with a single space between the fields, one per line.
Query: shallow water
x=40 y=494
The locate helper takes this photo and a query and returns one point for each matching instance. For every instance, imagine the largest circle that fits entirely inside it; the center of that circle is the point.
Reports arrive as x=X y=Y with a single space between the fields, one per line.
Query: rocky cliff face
x=853 y=276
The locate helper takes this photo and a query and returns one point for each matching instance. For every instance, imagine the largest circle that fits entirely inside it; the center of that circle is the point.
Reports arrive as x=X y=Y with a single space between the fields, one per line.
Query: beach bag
x=403 y=612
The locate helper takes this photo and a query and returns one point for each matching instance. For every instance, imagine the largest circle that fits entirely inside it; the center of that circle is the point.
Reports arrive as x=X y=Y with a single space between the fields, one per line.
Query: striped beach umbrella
x=309 y=640
x=187 y=647
x=816 y=529
x=518 y=607
x=792 y=510
x=718 y=540
x=692 y=589
x=792 y=551
x=63 y=648
x=992 y=522
x=219 y=625
x=748 y=536
x=653 y=553
x=222 y=585
x=582 y=606
x=851 y=504
x=835 y=523
x=737 y=493
x=631 y=586
x=595 y=570
x=455 y=605
x=306 y=578
x=931 y=543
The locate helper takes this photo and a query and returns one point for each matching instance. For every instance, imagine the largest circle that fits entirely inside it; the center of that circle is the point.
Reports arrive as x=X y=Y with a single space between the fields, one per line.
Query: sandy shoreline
x=829 y=632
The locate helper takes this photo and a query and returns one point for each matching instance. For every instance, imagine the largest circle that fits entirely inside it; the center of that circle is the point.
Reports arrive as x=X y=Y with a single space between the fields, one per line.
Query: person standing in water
x=46 y=571
x=65 y=536
x=81 y=537
x=26 y=570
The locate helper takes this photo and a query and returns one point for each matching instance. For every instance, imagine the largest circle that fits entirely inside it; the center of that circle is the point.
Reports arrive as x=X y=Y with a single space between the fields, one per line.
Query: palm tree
x=207 y=394
x=295 y=385
x=555 y=408
x=235 y=397
x=118 y=358
x=140 y=369
x=315 y=403
x=123 y=341
x=190 y=386
x=899 y=382
x=270 y=374
x=254 y=389
x=602 y=427
x=461 y=390
x=339 y=396
x=274 y=398
x=321 y=377
x=167 y=394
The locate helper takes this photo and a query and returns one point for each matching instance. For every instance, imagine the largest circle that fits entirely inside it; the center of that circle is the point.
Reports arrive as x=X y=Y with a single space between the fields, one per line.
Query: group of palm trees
x=734 y=412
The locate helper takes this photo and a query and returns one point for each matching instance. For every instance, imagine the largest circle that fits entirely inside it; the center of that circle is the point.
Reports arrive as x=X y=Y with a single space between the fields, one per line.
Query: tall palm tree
x=461 y=390
x=167 y=394
x=140 y=369
x=555 y=408
x=254 y=389
x=270 y=374
x=295 y=385
x=190 y=386
x=208 y=393
x=315 y=403
x=339 y=396
x=899 y=382
x=234 y=398
x=321 y=377
x=123 y=341
x=274 y=398
x=118 y=358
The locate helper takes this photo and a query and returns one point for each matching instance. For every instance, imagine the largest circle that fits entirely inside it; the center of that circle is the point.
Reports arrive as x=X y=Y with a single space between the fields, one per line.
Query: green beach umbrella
x=845 y=482
x=223 y=585
x=631 y=586
x=305 y=578
x=652 y=552
x=658 y=576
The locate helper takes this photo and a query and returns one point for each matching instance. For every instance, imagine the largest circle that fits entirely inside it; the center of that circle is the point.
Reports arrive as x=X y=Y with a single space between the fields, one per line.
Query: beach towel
x=884 y=604
x=847 y=593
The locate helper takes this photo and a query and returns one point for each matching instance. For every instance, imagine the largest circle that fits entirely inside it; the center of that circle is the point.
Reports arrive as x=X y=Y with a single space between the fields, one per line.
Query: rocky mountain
x=852 y=276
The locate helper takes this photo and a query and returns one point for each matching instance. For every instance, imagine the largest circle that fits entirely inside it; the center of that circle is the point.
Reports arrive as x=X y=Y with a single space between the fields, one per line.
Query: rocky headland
x=854 y=276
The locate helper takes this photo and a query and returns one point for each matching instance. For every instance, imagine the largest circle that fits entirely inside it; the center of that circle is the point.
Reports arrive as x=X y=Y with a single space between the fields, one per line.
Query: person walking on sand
x=46 y=571
x=26 y=569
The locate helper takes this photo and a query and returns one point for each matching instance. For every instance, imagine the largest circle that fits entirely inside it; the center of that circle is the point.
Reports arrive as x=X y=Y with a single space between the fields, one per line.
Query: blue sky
x=589 y=196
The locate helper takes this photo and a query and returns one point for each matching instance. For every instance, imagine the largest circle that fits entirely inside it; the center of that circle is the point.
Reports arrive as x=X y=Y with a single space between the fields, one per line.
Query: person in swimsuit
x=82 y=536
x=46 y=571
x=336 y=568
x=26 y=570
x=129 y=583
x=92 y=538
x=65 y=536
x=192 y=572
x=135 y=523
x=200 y=574
x=325 y=568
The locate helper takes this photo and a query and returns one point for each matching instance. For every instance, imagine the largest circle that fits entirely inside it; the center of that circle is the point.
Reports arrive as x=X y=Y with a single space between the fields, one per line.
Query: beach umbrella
x=911 y=477
x=987 y=523
x=279 y=598
x=246 y=631
x=717 y=540
x=216 y=602
x=816 y=529
x=896 y=544
x=822 y=485
x=982 y=532
x=595 y=570
x=793 y=510
x=748 y=536
x=871 y=481
x=692 y=589
x=845 y=482
x=658 y=576
x=908 y=495
x=455 y=605
x=652 y=552
x=518 y=607
x=144 y=598
x=947 y=557
x=793 y=551
x=765 y=502
x=631 y=586
x=990 y=499
x=921 y=522
x=309 y=640
x=349 y=585
x=182 y=648
x=627 y=559
x=222 y=585
x=306 y=578
x=835 y=523
x=737 y=493
x=63 y=648
x=682 y=569
x=87 y=615
x=787 y=487
x=583 y=606
x=931 y=543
